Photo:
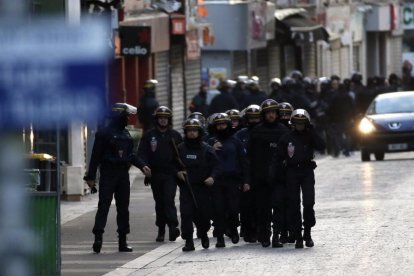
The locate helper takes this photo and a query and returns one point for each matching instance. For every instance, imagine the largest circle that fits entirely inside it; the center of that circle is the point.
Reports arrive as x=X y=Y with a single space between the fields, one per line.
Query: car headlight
x=366 y=127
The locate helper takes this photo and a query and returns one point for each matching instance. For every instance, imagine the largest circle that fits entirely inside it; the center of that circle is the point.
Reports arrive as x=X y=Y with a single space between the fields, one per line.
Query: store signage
x=408 y=17
x=135 y=40
x=51 y=73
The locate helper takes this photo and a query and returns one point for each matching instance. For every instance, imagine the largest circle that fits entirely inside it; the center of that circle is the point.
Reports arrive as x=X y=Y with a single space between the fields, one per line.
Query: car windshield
x=400 y=104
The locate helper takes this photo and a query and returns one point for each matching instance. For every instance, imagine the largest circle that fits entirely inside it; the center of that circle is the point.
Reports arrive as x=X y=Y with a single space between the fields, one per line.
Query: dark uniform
x=295 y=152
x=264 y=139
x=155 y=151
x=247 y=198
x=147 y=104
x=232 y=172
x=199 y=161
x=113 y=153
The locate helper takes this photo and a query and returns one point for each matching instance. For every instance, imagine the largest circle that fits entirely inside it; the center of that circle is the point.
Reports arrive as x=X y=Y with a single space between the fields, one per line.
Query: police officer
x=232 y=175
x=113 y=153
x=156 y=161
x=295 y=152
x=200 y=117
x=235 y=118
x=285 y=110
x=198 y=161
x=263 y=142
x=255 y=95
x=247 y=199
x=147 y=104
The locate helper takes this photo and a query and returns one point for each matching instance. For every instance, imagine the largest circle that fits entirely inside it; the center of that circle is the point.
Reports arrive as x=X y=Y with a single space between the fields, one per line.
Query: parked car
x=388 y=125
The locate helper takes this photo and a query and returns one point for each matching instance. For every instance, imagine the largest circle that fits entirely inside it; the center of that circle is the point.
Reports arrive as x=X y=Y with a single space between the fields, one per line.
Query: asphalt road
x=365 y=226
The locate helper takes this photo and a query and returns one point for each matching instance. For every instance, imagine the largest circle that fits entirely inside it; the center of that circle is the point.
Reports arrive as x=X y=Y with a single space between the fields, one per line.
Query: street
x=365 y=226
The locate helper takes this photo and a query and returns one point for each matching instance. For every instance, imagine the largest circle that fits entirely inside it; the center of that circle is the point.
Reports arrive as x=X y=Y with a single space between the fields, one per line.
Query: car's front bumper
x=387 y=142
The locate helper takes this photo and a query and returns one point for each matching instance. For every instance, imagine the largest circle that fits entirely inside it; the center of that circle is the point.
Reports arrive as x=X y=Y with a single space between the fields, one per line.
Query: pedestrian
x=147 y=104
x=295 y=153
x=197 y=161
x=232 y=175
x=112 y=152
x=263 y=142
x=199 y=101
x=156 y=160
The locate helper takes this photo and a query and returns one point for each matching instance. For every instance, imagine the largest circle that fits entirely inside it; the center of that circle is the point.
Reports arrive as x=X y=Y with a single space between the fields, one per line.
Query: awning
x=292 y=24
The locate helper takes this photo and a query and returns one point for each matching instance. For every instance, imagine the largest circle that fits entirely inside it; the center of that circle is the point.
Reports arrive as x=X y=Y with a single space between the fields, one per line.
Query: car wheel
x=379 y=156
x=365 y=156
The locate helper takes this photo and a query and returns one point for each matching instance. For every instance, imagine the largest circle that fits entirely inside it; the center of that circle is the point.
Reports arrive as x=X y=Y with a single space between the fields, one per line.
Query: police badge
x=154 y=144
x=291 y=150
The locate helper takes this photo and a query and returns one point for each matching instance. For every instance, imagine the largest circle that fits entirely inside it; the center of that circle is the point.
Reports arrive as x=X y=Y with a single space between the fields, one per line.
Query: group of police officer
x=233 y=169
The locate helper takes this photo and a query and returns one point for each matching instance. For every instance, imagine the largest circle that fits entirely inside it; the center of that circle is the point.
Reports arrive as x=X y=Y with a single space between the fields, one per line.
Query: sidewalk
x=70 y=210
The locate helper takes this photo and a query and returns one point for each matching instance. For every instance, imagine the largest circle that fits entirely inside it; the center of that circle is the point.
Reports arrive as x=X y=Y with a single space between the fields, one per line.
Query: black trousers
x=226 y=200
x=248 y=213
x=113 y=181
x=279 y=206
x=298 y=179
x=164 y=188
x=200 y=216
x=263 y=194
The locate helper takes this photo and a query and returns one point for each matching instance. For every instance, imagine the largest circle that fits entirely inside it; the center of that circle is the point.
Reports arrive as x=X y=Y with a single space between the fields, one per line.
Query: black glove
x=94 y=190
x=147 y=181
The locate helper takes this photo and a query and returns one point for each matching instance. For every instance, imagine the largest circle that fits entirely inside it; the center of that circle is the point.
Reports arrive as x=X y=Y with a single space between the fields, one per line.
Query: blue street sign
x=50 y=73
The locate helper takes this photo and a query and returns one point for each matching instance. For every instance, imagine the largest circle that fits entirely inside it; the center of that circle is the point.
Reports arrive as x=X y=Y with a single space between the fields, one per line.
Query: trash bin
x=45 y=216
x=46 y=165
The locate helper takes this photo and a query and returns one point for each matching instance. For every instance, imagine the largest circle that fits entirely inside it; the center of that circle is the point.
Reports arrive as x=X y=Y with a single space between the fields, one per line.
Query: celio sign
x=135 y=40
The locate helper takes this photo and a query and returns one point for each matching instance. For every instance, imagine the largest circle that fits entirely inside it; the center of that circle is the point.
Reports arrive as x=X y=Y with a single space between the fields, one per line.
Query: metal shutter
x=177 y=95
x=344 y=62
x=239 y=63
x=261 y=68
x=162 y=74
x=192 y=79
x=396 y=54
x=273 y=53
x=356 y=59
x=309 y=60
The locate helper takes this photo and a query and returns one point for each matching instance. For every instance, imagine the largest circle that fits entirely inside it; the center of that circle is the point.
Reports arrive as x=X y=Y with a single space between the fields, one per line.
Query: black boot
x=265 y=243
x=235 y=236
x=161 y=234
x=307 y=237
x=122 y=244
x=189 y=245
x=97 y=245
x=276 y=242
x=174 y=233
x=291 y=237
x=220 y=242
x=205 y=242
x=299 y=240
x=284 y=237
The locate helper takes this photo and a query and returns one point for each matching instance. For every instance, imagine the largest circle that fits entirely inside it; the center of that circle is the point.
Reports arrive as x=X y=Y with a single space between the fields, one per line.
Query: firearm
x=181 y=164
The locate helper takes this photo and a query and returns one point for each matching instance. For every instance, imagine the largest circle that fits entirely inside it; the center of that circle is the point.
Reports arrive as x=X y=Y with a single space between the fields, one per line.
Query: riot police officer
x=235 y=118
x=247 y=199
x=113 y=153
x=147 y=104
x=156 y=161
x=285 y=110
x=263 y=142
x=197 y=161
x=295 y=152
x=231 y=176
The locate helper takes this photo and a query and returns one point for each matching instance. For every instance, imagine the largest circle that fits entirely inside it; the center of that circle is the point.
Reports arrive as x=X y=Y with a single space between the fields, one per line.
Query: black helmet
x=268 y=105
x=242 y=79
x=296 y=75
x=199 y=116
x=234 y=114
x=288 y=81
x=356 y=77
x=285 y=109
x=221 y=118
x=252 y=111
x=192 y=124
x=162 y=111
x=300 y=116
x=123 y=109
x=150 y=84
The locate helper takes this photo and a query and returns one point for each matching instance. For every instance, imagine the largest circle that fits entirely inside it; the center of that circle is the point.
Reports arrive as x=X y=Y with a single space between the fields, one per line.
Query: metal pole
x=58 y=185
